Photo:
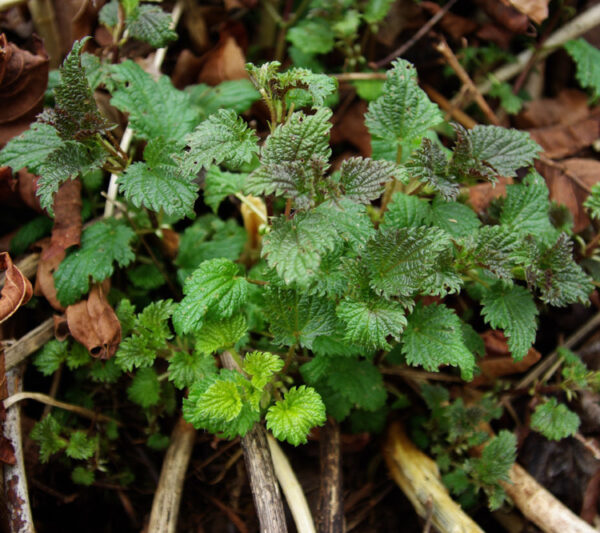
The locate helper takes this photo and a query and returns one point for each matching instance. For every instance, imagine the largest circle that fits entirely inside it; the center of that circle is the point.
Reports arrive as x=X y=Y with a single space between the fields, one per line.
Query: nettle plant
x=337 y=273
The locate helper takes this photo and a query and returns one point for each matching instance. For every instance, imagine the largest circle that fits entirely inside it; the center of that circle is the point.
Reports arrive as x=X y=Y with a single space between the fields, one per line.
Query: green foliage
x=214 y=287
x=512 y=308
x=215 y=335
x=81 y=446
x=50 y=357
x=81 y=476
x=403 y=113
x=47 y=435
x=592 y=202
x=31 y=148
x=587 y=59
x=433 y=337
x=358 y=382
x=185 y=369
x=145 y=388
x=238 y=95
x=554 y=420
x=261 y=366
x=102 y=244
x=312 y=37
x=292 y=418
x=151 y=25
x=219 y=184
x=29 y=233
x=509 y=101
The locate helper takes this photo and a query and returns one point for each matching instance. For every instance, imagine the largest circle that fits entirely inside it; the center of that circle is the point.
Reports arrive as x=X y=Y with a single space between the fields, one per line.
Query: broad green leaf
x=405 y=211
x=186 y=369
x=376 y=10
x=292 y=418
x=497 y=458
x=430 y=165
x=587 y=59
x=554 y=420
x=457 y=219
x=81 y=446
x=47 y=434
x=403 y=112
x=31 y=148
x=433 y=337
x=222 y=401
x=156 y=182
x=318 y=86
x=151 y=25
x=215 y=335
x=145 y=388
x=222 y=137
x=363 y=180
x=512 y=308
x=238 y=95
x=50 y=357
x=261 y=366
x=82 y=476
x=156 y=108
x=592 y=202
x=219 y=184
x=102 y=244
x=312 y=36
x=370 y=323
x=348 y=219
x=214 y=287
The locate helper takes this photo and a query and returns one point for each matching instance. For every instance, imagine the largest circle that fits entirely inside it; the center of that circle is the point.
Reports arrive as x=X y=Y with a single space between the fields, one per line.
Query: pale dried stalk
x=291 y=488
x=159 y=57
x=167 y=498
x=419 y=478
x=29 y=343
x=7 y=4
x=539 y=506
x=15 y=481
x=573 y=29
x=44 y=20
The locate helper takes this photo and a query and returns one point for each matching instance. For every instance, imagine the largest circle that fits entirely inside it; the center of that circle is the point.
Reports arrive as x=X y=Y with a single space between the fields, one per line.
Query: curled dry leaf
x=94 y=324
x=23 y=80
x=252 y=222
x=227 y=61
x=505 y=15
x=536 y=10
x=17 y=288
x=482 y=194
x=454 y=25
x=65 y=233
x=569 y=107
x=350 y=127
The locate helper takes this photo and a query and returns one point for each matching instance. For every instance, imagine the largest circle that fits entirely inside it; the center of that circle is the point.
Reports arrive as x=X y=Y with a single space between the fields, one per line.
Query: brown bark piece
x=94 y=324
x=17 y=288
x=330 y=516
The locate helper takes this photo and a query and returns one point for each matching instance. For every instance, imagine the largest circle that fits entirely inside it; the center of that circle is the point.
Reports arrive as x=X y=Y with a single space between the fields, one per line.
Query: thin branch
x=359 y=76
x=48 y=400
x=29 y=343
x=416 y=37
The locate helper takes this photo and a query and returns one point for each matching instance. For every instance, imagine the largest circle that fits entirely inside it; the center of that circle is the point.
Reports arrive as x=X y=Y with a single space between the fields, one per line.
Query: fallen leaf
x=23 y=80
x=569 y=107
x=94 y=324
x=569 y=182
x=536 y=10
x=227 y=61
x=454 y=25
x=496 y=34
x=562 y=141
x=17 y=288
x=28 y=189
x=505 y=15
x=482 y=194
x=44 y=279
x=61 y=327
x=350 y=127
x=187 y=69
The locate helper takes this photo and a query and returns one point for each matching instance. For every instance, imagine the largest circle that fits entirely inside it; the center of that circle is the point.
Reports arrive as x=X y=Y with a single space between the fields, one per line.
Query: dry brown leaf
x=44 y=279
x=482 y=194
x=495 y=34
x=186 y=69
x=225 y=62
x=505 y=15
x=569 y=107
x=23 y=80
x=94 y=324
x=28 y=189
x=350 y=127
x=536 y=10
x=562 y=141
x=569 y=182
x=17 y=288
x=454 y=25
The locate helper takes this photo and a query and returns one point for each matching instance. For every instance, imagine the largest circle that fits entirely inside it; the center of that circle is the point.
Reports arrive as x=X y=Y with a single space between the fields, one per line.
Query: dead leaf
x=403 y=15
x=94 y=324
x=482 y=194
x=350 y=127
x=569 y=107
x=187 y=69
x=23 y=80
x=252 y=222
x=61 y=327
x=225 y=62
x=569 y=182
x=562 y=141
x=505 y=15
x=17 y=288
x=495 y=34
x=28 y=189
x=498 y=360
x=44 y=279
x=536 y=10
x=454 y=25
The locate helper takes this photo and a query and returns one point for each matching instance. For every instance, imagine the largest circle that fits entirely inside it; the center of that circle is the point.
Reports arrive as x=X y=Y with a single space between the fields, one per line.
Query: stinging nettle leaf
x=457 y=219
x=219 y=184
x=512 y=308
x=429 y=164
x=215 y=287
x=217 y=335
x=151 y=25
x=405 y=211
x=363 y=180
x=554 y=420
x=587 y=59
x=31 y=148
x=312 y=36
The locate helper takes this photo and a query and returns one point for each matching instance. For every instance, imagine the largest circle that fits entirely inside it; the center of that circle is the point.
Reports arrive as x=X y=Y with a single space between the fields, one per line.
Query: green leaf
x=126 y=315
x=215 y=335
x=554 y=420
x=492 y=248
x=363 y=180
x=50 y=357
x=222 y=137
x=145 y=388
x=151 y=25
x=526 y=207
x=219 y=184
x=400 y=260
x=295 y=247
x=587 y=59
x=70 y=160
x=430 y=165
x=298 y=318
x=31 y=148
x=292 y=418
x=592 y=202
x=222 y=401
x=82 y=476
x=317 y=87
x=147 y=277
x=433 y=337
x=47 y=434
x=156 y=108
x=358 y=381
x=512 y=308
x=312 y=36
x=81 y=446
x=350 y=220
x=186 y=369
x=102 y=244
x=261 y=366
x=376 y=10
x=214 y=287
x=109 y=14
x=105 y=371
x=497 y=458
x=405 y=211
x=368 y=90
x=28 y=233
x=77 y=356
x=238 y=95
x=157 y=183
x=509 y=101
x=369 y=323
x=76 y=114
x=457 y=219
x=403 y=112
